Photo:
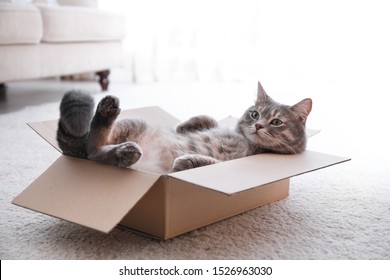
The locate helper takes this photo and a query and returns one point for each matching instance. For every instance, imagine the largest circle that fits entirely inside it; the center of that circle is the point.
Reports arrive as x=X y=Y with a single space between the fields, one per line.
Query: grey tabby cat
x=267 y=126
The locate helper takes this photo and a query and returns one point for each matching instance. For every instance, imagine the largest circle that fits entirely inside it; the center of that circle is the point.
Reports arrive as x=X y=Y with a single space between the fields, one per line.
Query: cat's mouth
x=261 y=136
x=261 y=133
x=257 y=136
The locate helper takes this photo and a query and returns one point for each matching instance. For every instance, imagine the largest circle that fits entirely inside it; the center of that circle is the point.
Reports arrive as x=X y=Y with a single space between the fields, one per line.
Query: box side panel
x=191 y=207
x=148 y=215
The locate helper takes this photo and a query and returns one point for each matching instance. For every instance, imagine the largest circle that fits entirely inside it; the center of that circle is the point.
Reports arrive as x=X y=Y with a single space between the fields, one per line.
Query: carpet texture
x=342 y=212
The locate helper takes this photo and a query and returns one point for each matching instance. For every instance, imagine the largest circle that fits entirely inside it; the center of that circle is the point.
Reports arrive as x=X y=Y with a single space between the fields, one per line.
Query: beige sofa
x=56 y=38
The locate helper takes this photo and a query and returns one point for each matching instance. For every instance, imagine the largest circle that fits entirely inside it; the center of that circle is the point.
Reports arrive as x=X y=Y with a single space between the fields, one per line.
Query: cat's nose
x=258 y=126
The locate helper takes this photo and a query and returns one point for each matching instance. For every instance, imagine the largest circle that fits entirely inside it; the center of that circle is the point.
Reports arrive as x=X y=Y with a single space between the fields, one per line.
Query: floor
x=338 y=212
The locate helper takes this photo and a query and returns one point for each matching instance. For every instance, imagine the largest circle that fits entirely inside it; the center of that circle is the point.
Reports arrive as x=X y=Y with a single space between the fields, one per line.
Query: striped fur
x=265 y=127
x=76 y=111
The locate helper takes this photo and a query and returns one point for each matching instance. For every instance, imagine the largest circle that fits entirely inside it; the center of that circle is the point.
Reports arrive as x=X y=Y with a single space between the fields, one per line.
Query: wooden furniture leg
x=103 y=79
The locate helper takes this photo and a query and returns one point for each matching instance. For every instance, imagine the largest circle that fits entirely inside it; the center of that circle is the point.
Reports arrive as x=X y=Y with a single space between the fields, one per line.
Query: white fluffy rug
x=342 y=212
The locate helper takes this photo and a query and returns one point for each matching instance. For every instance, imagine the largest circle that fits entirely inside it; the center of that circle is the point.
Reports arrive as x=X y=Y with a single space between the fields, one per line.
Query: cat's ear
x=262 y=96
x=302 y=109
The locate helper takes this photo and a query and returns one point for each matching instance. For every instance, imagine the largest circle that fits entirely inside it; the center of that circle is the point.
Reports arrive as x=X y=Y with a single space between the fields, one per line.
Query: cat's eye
x=276 y=122
x=255 y=115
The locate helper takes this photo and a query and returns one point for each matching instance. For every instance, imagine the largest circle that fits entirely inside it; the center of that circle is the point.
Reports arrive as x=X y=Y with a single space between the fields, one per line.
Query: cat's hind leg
x=192 y=161
x=100 y=129
x=102 y=146
x=76 y=111
x=195 y=124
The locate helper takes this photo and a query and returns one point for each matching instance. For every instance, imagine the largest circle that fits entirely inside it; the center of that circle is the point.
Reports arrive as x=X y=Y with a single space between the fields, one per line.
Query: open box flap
x=245 y=173
x=48 y=129
x=154 y=115
x=87 y=193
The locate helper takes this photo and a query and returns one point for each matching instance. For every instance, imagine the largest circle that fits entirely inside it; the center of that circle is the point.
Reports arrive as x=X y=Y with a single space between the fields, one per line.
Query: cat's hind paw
x=108 y=107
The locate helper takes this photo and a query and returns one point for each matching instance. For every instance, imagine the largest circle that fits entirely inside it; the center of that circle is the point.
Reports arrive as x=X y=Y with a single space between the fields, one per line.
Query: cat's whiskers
x=277 y=142
x=287 y=146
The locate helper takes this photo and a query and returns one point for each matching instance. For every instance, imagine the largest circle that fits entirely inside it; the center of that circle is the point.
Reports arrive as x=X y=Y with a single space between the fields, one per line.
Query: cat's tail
x=76 y=111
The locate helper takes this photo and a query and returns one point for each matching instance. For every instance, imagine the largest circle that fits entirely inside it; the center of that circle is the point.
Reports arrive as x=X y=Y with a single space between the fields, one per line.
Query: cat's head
x=274 y=127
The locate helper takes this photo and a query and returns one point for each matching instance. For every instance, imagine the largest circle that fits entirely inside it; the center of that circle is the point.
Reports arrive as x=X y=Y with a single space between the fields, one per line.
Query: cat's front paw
x=197 y=123
x=127 y=154
x=108 y=107
x=192 y=161
x=183 y=163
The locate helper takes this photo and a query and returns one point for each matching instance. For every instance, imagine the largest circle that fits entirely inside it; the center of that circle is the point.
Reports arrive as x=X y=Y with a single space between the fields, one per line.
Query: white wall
x=335 y=51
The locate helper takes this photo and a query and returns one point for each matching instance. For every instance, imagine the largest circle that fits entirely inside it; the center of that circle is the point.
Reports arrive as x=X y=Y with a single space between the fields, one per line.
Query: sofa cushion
x=20 y=24
x=80 y=24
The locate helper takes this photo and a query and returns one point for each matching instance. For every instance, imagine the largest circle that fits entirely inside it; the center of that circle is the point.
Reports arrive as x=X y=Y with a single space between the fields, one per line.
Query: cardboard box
x=163 y=206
